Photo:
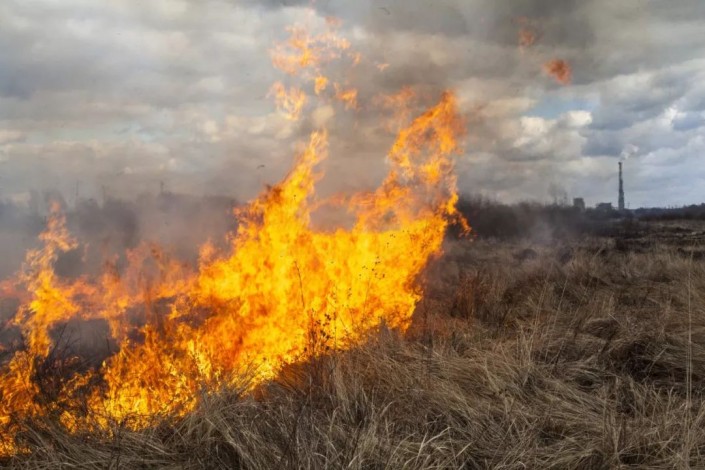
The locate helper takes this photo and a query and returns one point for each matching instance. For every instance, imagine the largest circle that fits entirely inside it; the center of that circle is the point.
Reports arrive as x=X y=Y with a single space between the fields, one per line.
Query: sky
x=121 y=95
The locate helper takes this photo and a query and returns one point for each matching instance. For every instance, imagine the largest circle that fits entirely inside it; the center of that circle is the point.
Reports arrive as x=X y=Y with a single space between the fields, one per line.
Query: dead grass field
x=578 y=354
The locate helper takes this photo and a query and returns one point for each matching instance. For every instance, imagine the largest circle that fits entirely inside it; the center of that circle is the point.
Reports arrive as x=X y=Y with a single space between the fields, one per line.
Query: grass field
x=582 y=353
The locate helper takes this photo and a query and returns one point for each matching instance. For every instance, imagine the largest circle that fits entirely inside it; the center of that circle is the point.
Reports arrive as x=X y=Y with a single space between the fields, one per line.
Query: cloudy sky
x=123 y=94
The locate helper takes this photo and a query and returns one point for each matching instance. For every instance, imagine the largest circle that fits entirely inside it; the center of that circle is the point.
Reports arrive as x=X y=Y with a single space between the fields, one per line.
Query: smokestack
x=621 y=188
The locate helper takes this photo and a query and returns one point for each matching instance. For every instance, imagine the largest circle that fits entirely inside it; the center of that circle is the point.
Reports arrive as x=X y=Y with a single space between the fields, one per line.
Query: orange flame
x=321 y=83
x=400 y=104
x=284 y=292
x=347 y=96
x=290 y=102
x=306 y=52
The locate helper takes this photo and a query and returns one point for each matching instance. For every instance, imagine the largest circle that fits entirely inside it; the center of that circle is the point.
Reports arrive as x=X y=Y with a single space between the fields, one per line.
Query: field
x=585 y=352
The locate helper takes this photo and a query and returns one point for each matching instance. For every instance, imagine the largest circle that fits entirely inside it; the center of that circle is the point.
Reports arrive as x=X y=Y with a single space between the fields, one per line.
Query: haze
x=121 y=96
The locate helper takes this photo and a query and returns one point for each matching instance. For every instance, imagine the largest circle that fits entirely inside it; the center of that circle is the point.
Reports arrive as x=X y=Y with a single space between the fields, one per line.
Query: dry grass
x=581 y=356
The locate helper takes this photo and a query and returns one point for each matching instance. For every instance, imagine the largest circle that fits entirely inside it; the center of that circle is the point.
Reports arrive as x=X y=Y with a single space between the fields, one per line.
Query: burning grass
x=582 y=356
x=283 y=292
x=299 y=347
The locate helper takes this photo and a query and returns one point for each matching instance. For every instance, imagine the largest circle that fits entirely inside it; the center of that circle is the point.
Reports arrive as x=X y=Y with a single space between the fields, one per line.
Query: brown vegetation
x=584 y=354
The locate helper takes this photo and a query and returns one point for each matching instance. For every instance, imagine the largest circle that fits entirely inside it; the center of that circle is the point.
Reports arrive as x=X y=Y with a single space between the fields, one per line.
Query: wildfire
x=284 y=292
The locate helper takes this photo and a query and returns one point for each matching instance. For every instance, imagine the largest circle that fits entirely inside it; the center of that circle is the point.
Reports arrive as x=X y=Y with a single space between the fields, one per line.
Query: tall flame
x=284 y=292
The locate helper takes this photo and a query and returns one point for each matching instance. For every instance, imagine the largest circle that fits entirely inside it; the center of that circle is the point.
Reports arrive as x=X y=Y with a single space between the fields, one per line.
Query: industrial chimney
x=621 y=189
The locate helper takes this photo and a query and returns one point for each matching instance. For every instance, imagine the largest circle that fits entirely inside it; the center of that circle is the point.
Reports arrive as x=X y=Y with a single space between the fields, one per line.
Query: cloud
x=128 y=94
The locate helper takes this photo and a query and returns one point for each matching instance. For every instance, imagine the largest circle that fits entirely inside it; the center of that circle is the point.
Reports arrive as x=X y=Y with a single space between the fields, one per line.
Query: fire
x=306 y=52
x=283 y=292
x=347 y=96
x=400 y=104
x=321 y=83
x=560 y=70
x=290 y=102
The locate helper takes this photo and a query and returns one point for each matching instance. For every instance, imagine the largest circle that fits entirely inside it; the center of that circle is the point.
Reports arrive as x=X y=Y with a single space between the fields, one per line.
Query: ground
x=586 y=352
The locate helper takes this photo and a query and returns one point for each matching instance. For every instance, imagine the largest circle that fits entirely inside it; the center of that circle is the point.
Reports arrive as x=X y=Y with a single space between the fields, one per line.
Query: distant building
x=604 y=207
x=579 y=203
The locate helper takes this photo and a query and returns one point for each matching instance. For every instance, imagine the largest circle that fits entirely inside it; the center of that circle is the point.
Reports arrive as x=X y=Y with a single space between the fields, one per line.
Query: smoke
x=179 y=224
x=124 y=97
x=629 y=151
x=126 y=107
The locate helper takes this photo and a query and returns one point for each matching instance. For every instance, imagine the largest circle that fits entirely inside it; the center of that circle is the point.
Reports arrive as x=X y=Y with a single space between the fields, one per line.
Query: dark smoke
x=179 y=224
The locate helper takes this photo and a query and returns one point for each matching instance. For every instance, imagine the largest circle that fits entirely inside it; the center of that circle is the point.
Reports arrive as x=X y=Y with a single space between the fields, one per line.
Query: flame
x=283 y=292
x=400 y=104
x=347 y=96
x=290 y=102
x=304 y=52
x=356 y=58
x=321 y=83
x=560 y=70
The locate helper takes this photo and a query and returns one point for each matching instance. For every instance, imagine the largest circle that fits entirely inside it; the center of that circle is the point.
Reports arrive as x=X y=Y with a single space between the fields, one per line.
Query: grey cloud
x=495 y=20
x=145 y=91
x=604 y=143
x=639 y=97
x=689 y=121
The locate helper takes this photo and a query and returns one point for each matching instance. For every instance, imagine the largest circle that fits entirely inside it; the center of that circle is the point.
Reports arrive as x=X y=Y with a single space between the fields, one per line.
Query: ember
x=560 y=70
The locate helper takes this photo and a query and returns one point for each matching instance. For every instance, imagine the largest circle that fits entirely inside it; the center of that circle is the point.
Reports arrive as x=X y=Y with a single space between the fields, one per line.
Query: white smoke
x=629 y=151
